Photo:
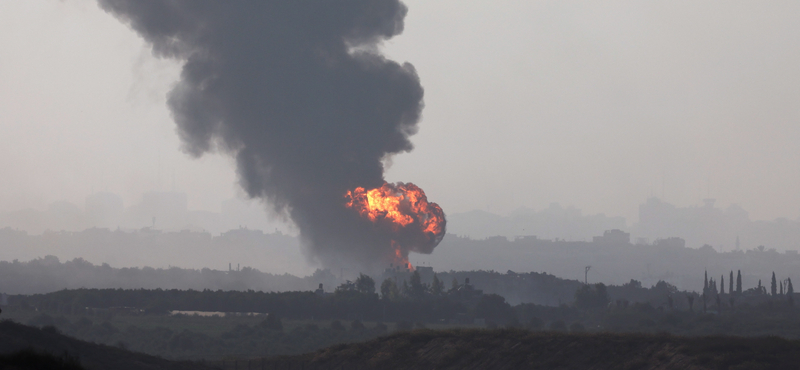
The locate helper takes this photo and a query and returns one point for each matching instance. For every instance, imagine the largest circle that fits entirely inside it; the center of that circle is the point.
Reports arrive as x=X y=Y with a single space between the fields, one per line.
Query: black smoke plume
x=298 y=93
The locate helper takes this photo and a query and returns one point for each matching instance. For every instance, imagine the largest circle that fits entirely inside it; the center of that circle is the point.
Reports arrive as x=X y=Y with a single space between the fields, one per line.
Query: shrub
x=591 y=296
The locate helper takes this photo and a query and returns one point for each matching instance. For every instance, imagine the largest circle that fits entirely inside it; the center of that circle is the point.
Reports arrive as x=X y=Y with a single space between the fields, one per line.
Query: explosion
x=403 y=211
x=300 y=95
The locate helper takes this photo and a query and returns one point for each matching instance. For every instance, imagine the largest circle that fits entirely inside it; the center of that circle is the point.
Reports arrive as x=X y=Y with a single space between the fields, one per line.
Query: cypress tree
x=774 y=286
x=739 y=282
x=730 y=283
x=705 y=282
x=722 y=284
x=790 y=291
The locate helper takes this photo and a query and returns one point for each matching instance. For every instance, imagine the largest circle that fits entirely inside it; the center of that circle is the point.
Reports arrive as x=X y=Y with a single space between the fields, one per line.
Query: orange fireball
x=404 y=212
x=402 y=204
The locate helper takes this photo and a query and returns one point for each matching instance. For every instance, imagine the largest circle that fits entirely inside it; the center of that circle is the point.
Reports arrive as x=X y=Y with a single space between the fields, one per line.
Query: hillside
x=16 y=337
x=517 y=349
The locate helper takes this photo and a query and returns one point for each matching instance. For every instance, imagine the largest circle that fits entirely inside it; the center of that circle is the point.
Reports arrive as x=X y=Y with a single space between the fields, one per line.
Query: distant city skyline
x=160 y=210
x=724 y=227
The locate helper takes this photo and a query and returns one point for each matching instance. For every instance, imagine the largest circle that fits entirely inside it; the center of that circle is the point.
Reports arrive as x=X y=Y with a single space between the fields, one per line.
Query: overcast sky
x=593 y=104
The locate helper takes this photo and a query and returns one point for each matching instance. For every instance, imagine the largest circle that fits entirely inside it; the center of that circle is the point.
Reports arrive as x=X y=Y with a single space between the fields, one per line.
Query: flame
x=404 y=209
x=402 y=204
x=399 y=258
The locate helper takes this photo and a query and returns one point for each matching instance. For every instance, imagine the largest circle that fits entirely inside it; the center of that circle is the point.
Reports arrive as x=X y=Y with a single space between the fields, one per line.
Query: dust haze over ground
x=298 y=93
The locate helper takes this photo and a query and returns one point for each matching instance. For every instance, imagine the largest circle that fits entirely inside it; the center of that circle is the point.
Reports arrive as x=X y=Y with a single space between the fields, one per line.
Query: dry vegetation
x=519 y=349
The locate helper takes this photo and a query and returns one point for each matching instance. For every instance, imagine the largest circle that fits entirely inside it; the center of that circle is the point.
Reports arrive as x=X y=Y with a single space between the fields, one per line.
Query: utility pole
x=586 y=274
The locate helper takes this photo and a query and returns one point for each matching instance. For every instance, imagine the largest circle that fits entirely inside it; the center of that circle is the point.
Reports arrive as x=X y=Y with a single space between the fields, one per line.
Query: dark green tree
x=389 y=290
x=722 y=284
x=405 y=290
x=739 y=282
x=454 y=285
x=417 y=287
x=493 y=307
x=437 y=286
x=774 y=286
x=730 y=283
x=591 y=296
x=365 y=284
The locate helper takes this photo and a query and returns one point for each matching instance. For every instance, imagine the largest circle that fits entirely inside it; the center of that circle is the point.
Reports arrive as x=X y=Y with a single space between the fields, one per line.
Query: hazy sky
x=594 y=104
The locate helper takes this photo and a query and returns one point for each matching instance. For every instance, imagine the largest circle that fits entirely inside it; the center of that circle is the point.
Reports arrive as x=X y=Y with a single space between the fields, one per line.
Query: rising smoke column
x=299 y=94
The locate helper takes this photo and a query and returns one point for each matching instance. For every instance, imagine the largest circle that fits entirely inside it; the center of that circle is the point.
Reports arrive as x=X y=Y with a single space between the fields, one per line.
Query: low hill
x=518 y=349
x=16 y=339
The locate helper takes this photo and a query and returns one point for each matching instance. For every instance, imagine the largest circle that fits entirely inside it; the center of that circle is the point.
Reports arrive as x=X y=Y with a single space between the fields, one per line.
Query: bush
x=493 y=307
x=591 y=296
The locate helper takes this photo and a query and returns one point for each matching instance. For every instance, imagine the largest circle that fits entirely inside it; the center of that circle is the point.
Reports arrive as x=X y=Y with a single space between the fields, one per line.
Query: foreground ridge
x=520 y=349
x=16 y=339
